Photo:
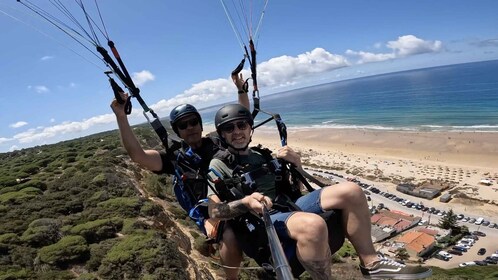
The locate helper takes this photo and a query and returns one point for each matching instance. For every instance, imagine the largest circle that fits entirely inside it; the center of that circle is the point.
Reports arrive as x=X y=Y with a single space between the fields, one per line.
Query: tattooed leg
x=319 y=270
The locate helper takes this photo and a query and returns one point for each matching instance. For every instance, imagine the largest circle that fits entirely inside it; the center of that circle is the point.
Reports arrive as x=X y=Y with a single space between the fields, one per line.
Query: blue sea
x=462 y=97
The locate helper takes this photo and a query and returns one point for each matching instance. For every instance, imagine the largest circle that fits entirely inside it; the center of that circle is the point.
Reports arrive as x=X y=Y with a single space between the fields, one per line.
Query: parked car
x=441 y=257
x=459 y=248
x=485 y=223
x=455 y=252
x=481 y=263
x=472 y=220
x=492 y=225
x=460 y=216
x=466 y=246
x=475 y=237
x=445 y=254
x=479 y=233
x=490 y=260
x=481 y=251
x=466 y=264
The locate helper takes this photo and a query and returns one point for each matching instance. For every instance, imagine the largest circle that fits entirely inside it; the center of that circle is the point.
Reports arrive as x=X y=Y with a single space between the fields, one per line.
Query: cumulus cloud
x=366 y=57
x=287 y=70
x=47 y=57
x=405 y=46
x=43 y=133
x=3 y=140
x=276 y=72
x=39 y=89
x=142 y=77
x=411 y=45
x=200 y=93
x=18 y=124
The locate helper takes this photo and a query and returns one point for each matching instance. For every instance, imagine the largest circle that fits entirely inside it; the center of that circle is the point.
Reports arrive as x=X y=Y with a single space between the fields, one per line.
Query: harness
x=190 y=183
x=249 y=228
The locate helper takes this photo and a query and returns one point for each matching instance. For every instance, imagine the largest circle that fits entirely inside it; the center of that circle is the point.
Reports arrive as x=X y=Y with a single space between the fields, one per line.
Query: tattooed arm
x=230 y=210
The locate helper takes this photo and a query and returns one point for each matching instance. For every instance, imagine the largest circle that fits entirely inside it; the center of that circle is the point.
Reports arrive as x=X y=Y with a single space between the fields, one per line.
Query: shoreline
x=459 y=159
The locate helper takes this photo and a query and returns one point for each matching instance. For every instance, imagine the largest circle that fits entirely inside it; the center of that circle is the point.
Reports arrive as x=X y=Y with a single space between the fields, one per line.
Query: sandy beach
x=458 y=160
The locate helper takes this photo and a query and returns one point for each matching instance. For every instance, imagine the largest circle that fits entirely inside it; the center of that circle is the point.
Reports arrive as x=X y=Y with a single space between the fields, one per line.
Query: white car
x=467 y=264
x=463 y=245
x=445 y=254
x=467 y=241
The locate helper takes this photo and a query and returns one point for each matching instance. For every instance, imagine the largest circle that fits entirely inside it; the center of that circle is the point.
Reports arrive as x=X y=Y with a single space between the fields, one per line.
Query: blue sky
x=184 y=51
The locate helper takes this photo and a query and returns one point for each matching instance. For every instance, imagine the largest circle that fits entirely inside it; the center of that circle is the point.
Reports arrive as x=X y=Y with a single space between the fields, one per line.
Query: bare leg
x=349 y=197
x=310 y=232
x=230 y=253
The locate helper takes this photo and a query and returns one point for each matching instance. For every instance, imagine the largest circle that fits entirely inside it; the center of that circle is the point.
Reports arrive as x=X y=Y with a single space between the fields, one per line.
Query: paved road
x=488 y=242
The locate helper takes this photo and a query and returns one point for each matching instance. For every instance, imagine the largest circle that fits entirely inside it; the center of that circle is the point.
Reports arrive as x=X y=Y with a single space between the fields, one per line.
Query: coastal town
x=411 y=182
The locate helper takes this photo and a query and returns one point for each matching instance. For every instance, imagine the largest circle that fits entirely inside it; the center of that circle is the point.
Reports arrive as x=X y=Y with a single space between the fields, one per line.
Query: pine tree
x=448 y=221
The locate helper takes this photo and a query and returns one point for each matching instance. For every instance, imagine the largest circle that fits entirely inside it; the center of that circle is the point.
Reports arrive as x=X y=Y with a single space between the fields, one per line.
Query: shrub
x=35 y=184
x=42 y=232
x=97 y=252
x=141 y=254
x=68 y=250
x=15 y=197
x=150 y=209
x=23 y=256
x=122 y=206
x=9 y=238
x=98 y=230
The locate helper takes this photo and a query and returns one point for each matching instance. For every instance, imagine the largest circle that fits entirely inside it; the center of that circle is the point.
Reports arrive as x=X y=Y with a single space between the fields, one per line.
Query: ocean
x=462 y=97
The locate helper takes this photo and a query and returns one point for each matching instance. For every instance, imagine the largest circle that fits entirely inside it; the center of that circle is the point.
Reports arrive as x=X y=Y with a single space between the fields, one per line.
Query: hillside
x=74 y=210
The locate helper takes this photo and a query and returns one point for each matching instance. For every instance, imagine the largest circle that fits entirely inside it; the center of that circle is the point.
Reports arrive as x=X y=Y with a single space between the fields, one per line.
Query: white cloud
x=52 y=120
x=18 y=124
x=366 y=57
x=199 y=93
x=3 y=140
x=276 y=72
x=405 y=46
x=287 y=70
x=411 y=45
x=39 y=89
x=142 y=77
x=43 y=133
x=47 y=57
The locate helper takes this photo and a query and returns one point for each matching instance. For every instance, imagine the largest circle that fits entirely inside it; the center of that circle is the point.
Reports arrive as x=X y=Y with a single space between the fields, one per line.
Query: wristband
x=242 y=91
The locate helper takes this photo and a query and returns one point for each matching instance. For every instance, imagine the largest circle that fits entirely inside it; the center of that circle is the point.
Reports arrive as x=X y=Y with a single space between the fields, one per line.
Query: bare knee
x=307 y=227
x=341 y=195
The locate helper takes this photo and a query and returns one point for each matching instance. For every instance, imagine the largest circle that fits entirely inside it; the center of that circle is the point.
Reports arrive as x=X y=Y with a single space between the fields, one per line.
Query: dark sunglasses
x=229 y=128
x=185 y=124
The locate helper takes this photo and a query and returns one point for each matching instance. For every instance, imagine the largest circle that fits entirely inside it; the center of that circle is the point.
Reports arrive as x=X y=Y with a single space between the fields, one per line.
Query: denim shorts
x=308 y=203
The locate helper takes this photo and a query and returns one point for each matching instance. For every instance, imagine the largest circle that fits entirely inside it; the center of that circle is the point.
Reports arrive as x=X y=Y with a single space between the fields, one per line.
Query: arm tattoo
x=228 y=210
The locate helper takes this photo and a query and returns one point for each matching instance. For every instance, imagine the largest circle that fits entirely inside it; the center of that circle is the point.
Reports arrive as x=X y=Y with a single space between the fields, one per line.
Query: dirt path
x=197 y=261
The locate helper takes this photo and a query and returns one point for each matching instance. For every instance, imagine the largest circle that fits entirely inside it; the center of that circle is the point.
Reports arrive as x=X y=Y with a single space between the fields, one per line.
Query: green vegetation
x=74 y=203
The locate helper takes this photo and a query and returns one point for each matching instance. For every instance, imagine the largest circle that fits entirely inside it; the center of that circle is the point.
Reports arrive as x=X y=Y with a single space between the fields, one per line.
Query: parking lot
x=431 y=212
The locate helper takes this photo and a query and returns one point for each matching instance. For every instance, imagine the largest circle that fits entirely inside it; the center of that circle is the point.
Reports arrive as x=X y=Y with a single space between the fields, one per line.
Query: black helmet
x=181 y=111
x=230 y=113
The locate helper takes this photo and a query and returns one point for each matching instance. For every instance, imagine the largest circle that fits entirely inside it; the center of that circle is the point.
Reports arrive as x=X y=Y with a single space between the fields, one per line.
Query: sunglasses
x=229 y=128
x=185 y=124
